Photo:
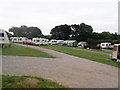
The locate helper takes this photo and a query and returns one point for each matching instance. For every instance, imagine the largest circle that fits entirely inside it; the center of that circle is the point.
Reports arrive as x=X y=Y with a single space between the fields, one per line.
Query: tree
x=106 y=36
x=95 y=36
x=61 y=32
x=24 y=31
x=92 y=42
x=81 y=32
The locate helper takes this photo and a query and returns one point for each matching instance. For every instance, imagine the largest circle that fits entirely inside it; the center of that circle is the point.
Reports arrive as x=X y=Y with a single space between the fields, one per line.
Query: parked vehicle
x=4 y=40
x=106 y=45
x=97 y=47
x=18 y=39
x=82 y=44
x=29 y=42
x=70 y=43
x=60 y=41
x=53 y=42
x=40 y=41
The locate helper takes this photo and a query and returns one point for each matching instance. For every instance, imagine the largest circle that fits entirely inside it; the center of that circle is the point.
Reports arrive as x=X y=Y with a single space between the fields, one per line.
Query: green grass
x=101 y=58
x=16 y=50
x=28 y=82
x=104 y=51
x=107 y=51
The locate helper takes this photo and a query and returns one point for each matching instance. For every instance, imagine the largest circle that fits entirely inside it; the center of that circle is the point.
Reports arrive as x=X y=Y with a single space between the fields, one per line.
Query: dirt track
x=68 y=70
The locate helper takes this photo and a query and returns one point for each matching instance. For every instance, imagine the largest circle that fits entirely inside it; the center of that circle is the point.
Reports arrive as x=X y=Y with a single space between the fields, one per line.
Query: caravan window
x=1 y=34
x=20 y=39
x=103 y=44
x=37 y=40
x=106 y=44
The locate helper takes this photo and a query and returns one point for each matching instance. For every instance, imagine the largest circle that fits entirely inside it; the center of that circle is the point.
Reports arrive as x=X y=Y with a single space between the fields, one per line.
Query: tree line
x=83 y=32
x=24 y=31
x=78 y=32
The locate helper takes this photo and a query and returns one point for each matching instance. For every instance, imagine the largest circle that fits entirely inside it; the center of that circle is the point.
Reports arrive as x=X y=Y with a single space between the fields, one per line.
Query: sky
x=102 y=15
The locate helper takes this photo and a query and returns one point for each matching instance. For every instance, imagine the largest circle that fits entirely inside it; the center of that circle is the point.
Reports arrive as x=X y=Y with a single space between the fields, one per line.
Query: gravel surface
x=68 y=70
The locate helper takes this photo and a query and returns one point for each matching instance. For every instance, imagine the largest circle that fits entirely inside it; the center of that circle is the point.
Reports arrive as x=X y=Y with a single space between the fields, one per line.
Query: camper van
x=18 y=39
x=53 y=42
x=70 y=43
x=105 y=45
x=4 y=40
x=40 y=41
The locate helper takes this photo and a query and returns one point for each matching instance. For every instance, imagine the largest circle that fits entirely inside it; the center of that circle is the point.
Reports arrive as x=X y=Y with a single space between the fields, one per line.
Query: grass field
x=16 y=50
x=103 y=50
x=28 y=82
x=84 y=54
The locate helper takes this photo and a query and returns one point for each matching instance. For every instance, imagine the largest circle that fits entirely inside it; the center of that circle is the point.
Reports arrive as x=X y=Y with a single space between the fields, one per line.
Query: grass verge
x=28 y=82
x=102 y=51
x=16 y=50
x=101 y=58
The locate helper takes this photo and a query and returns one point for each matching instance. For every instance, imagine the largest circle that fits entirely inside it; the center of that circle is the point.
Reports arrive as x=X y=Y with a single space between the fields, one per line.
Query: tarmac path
x=68 y=70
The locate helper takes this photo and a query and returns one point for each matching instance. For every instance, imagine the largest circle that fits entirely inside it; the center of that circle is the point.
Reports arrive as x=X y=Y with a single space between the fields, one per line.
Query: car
x=28 y=42
x=82 y=44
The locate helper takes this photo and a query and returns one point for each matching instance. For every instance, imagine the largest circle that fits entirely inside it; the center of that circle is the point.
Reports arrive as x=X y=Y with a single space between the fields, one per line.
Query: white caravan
x=18 y=39
x=60 y=42
x=70 y=43
x=53 y=42
x=4 y=40
x=40 y=41
x=105 y=45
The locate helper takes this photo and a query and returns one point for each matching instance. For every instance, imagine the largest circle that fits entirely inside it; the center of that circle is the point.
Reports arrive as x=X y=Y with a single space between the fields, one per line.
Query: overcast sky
x=102 y=15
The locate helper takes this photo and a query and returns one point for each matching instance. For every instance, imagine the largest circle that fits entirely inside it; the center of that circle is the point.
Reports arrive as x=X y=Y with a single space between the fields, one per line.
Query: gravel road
x=68 y=70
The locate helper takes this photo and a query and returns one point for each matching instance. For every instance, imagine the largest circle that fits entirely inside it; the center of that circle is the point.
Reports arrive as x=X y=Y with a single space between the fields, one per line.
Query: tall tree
x=61 y=32
x=106 y=36
x=24 y=31
x=81 y=32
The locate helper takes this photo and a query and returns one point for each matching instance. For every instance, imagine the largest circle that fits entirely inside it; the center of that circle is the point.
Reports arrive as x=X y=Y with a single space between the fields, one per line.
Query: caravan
x=40 y=41
x=53 y=42
x=60 y=42
x=18 y=39
x=4 y=40
x=105 y=45
x=70 y=43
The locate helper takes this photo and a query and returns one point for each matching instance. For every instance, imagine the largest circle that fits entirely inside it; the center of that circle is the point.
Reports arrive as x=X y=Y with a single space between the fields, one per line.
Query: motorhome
x=53 y=42
x=4 y=40
x=70 y=43
x=105 y=45
x=18 y=39
x=40 y=41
